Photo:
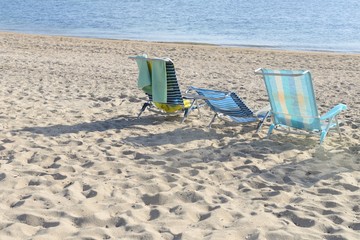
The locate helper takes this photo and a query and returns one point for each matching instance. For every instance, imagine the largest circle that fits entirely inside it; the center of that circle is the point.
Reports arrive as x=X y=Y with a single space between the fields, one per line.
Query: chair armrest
x=193 y=96
x=263 y=112
x=188 y=95
x=138 y=57
x=334 y=111
x=196 y=96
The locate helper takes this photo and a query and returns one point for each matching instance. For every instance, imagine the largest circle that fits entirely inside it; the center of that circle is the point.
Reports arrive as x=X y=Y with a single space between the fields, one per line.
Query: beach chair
x=229 y=104
x=293 y=104
x=157 y=78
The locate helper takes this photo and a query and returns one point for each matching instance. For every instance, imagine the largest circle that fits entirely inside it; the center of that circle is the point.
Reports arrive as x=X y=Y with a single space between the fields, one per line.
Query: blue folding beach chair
x=230 y=105
x=293 y=103
x=157 y=78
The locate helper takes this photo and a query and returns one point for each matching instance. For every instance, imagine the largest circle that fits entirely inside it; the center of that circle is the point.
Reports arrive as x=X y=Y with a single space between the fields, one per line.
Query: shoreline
x=77 y=163
x=246 y=46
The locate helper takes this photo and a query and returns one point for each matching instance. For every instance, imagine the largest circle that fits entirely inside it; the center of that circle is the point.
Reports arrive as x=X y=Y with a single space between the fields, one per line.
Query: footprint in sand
x=329 y=191
x=157 y=199
x=36 y=221
x=270 y=194
x=194 y=172
x=72 y=143
x=128 y=153
x=58 y=176
x=330 y=204
x=154 y=214
x=17 y=204
x=350 y=187
x=171 y=178
x=34 y=182
x=2 y=176
x=252 y=168
x=189 y=196
x=171 y=169
x=87 y=164
x=39 y=158
x=109 y=172
x=120 y=222
x=152 y=162
x=355 y=226
x=20 y=202
x=88 y=192
x=177 y=210
x=142 y=156
x=356 y=208
x=219 y=199
x=336 y=219
x=334 y=237
x=91 y=194
x=298 y=221
x=204 y=216
x=55 y=164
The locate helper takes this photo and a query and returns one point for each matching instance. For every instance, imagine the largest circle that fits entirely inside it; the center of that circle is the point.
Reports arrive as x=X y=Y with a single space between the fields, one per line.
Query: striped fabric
x=173 y=94
x=293 y=103
x=230 y=105
x=163 y=90
x=292 y=99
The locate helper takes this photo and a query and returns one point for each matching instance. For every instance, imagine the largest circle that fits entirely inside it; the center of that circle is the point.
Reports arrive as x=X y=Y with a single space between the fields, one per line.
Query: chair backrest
x=292 y=98
x=174 y=95
x=231 y=104
x=162 y=75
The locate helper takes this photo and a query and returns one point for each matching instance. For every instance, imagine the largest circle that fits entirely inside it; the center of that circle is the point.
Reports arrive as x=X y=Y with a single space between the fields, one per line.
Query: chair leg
x=326 y=130
x=143 y=108
x=259 y=125
x=212 y=120
x=198 y=108
x=338 y=128
x=186 y=113
x=322 y=136
x=261 y=122
x=271 y=128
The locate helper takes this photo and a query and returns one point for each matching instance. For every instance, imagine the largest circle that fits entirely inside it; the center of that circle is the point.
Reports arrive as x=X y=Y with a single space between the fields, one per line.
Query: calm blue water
x=332 y=25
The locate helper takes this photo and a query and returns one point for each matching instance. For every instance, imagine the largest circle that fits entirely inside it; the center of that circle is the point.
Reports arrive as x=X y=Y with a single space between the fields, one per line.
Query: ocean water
x=317 y=25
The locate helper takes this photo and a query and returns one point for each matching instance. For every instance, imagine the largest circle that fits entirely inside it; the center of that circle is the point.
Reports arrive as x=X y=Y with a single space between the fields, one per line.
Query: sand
x=76 y=163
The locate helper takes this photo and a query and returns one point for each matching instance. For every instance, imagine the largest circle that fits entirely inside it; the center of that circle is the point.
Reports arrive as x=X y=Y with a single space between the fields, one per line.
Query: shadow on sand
x=116 y=123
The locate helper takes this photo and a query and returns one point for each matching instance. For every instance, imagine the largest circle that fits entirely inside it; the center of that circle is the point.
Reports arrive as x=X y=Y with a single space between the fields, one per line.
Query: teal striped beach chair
x=157 y=78
x=229 y=104
x=293 y=104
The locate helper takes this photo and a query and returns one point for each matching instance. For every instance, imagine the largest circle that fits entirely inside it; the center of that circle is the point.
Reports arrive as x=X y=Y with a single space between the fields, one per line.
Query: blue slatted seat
x=231 y=105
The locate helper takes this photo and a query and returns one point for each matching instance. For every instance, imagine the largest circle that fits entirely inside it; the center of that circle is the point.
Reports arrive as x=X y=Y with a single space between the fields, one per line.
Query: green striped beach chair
x=157 y=78
x=293 y=104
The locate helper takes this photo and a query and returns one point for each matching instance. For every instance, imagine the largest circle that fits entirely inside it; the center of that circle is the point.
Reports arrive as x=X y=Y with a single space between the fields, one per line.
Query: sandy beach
x=76 y=163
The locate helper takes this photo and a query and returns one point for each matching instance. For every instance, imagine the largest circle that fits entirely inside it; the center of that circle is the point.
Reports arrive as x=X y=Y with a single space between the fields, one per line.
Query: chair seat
x=230 y=105
x=244 y=120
